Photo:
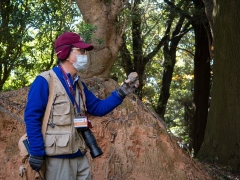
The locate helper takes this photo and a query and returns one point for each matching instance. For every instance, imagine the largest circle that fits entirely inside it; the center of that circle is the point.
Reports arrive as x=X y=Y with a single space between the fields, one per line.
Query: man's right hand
x=36 y=162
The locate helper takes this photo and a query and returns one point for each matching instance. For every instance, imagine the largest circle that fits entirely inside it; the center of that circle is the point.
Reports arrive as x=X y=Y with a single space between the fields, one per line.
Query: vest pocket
x=49 y=144
x=58 y=144
x=61 y=112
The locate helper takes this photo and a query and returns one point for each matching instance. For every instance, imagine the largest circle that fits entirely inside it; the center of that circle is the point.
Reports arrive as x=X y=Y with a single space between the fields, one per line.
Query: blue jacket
x=37 y=102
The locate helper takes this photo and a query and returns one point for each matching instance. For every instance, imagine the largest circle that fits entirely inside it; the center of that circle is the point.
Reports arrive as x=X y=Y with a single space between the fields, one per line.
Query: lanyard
x=72 y=90
x=80 y=93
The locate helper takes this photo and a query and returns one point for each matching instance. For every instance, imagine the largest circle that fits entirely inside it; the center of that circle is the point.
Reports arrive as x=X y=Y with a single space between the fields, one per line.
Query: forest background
x=176 y=47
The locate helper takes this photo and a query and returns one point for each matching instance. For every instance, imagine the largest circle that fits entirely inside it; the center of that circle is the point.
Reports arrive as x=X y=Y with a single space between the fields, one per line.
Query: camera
x=83 y=125
x=91 y=143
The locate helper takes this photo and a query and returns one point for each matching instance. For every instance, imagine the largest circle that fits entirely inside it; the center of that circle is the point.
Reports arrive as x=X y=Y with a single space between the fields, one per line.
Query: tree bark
x=209 y=12
x=222 y=139
x=106 y=39
x=201 y=80
x=201 y=87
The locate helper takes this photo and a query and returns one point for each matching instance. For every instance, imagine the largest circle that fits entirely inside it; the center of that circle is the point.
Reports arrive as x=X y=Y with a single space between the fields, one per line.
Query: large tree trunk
x=222 y=139
x=106 y=40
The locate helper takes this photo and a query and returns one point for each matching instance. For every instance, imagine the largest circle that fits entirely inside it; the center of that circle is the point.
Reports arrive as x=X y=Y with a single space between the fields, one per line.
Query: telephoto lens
x=91 y=142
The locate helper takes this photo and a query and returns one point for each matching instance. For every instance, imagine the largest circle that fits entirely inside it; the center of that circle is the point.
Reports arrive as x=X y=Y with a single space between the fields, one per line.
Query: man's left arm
x=98 y=107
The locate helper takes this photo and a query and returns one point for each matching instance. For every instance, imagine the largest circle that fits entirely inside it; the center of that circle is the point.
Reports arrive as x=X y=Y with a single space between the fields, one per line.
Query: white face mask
x=81 y=62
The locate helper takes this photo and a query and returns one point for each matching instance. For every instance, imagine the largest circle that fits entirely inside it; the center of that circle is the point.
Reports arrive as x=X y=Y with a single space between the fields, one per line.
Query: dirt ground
x=9 y=153
x=10 y=132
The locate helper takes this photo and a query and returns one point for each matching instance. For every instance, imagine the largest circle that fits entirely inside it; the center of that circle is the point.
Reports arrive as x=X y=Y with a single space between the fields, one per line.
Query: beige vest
x=61 y=137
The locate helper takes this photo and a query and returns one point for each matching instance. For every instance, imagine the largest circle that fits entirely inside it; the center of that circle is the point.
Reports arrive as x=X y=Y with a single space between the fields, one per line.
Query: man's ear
x=68 y=58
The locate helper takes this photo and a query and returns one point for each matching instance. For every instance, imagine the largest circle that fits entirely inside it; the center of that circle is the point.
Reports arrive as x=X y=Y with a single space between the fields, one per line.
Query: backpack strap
x=50 y=78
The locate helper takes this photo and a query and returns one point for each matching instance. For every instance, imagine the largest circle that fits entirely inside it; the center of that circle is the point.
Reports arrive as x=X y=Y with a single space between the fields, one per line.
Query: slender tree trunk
x=170 y=57
x=222 y=139
x=201 y=87
x=209 y=9
x=169 y=62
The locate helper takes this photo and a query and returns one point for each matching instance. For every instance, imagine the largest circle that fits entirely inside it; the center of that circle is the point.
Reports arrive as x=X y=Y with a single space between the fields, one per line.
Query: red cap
x=65 y=41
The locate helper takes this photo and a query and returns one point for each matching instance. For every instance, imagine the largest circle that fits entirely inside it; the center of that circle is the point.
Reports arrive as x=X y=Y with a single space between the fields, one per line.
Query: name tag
x=80 y=122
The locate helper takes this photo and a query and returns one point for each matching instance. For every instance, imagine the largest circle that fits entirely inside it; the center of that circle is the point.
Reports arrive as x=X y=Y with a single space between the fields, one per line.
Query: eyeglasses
x=82 y=51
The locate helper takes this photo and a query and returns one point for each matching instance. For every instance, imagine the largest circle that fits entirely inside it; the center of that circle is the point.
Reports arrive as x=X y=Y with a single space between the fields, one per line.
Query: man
x=63 y=149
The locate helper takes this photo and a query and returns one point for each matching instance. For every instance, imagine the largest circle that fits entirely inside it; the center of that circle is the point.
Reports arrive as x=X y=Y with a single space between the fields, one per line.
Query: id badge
x=80 y=122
